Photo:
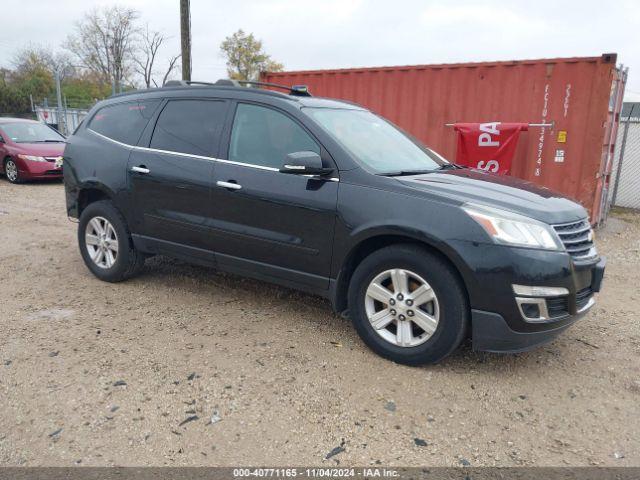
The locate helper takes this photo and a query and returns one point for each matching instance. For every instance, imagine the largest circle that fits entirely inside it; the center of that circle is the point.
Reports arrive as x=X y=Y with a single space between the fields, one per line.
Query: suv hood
x=507 y=193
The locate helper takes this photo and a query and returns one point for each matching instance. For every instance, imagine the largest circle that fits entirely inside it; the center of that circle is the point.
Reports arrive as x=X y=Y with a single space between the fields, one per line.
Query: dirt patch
x=187 y=366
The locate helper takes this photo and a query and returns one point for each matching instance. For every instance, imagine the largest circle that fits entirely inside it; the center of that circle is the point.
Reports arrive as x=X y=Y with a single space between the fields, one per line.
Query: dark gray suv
x=324 y=196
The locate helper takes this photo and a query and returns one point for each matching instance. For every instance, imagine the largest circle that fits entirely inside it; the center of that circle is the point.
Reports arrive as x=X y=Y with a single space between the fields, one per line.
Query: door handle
x=141 y=169
x=229 y=185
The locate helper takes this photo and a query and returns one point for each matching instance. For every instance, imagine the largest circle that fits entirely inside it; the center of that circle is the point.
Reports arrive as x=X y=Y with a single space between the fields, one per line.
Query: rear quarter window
x=124 y=122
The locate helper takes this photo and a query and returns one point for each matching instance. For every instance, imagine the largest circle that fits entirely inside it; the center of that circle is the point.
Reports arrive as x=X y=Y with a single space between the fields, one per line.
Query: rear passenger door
x=170 y=172
x=263 y=222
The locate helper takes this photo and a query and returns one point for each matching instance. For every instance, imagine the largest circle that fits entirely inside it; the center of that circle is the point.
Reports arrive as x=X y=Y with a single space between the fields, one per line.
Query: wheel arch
x=91 y=193
x=5 y=159
x=375 y=241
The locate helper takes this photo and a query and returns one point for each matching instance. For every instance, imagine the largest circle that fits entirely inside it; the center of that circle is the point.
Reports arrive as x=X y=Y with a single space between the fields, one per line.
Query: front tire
x=105 y=243
x=408 y=305
x=11 y=171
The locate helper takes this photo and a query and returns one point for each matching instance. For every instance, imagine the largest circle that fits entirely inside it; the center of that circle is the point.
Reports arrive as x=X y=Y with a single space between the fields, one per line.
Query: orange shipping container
x=581 y=96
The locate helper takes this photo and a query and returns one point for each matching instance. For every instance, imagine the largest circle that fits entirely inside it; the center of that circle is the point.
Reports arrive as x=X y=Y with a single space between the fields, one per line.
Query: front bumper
x=33 y=170
x=492 y=333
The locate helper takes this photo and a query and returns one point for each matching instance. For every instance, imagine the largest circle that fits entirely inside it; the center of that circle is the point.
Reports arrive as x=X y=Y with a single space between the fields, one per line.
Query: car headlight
x=32 y=158
x=512 y=229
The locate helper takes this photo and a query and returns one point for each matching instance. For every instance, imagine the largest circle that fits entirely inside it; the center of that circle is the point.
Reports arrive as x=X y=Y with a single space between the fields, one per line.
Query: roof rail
x=295 y=90
x=184 y=83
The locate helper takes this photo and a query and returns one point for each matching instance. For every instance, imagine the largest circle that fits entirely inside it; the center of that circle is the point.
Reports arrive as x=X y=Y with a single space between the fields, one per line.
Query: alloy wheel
x=402 y=307
x=11 y=170
x=101 y=242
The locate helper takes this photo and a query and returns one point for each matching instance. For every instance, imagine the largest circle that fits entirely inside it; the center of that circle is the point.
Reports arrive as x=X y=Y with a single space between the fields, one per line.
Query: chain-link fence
x=625 y=180
x=71 y=117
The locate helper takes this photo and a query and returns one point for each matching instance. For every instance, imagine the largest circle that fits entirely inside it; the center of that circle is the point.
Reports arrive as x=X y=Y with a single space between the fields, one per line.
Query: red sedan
x=29 y=150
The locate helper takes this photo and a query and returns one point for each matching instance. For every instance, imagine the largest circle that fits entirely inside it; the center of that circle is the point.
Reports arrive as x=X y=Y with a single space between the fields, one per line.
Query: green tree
x=13 y=101
x=82 y=91
x=33 y=75
x=245 y=57
x=33 y=72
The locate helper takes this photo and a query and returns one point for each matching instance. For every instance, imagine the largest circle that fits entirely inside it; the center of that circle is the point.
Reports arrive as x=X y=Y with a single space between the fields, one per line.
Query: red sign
x=488 y=146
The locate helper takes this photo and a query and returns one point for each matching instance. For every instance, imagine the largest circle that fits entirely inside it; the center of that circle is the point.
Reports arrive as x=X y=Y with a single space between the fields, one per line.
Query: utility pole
x=185 y=38
x=61 y=120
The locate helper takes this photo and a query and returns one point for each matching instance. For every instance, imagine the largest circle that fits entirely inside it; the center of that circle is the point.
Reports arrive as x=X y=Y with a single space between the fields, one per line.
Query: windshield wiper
x=401 y=173
x=448 y=166
x=48 y=141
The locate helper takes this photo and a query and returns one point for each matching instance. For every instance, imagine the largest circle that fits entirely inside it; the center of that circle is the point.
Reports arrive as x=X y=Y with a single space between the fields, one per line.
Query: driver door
x=265 y=222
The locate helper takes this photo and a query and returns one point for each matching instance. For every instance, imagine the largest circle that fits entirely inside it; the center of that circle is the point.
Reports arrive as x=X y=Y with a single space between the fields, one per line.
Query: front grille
x=557 y=306
x=577 y=238
x=582 y=297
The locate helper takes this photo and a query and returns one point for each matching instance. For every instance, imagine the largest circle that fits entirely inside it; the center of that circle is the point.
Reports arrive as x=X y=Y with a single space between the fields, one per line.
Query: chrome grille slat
x=581 y=229
x=577 y=238
x=582 y=248
x=572 y=241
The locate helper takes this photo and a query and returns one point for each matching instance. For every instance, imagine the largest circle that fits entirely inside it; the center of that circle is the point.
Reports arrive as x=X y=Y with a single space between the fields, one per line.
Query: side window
x=124 y=122
x=262 y=136
x=189 y=126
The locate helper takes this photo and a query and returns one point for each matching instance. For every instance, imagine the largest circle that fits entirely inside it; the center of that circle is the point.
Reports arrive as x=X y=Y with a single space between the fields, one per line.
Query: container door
x=601 y=203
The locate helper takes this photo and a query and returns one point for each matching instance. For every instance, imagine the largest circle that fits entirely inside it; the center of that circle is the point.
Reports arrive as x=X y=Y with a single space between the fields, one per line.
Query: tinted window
x=124 y=122
x=189 y=126
x=262 y=136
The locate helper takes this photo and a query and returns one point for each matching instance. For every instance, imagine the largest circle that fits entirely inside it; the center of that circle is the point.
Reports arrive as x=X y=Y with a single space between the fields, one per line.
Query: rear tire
x=106 y=245
x=421 y=322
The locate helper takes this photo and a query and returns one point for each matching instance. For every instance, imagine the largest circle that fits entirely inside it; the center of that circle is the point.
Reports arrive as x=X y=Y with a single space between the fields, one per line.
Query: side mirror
x=304 y=163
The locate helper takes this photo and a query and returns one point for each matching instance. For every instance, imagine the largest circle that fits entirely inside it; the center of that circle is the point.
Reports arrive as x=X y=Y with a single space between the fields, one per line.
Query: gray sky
x=348 y=33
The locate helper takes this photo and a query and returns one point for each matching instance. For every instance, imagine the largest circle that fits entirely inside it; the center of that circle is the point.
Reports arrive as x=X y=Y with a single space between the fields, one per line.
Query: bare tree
x=173 y=65
x=33 y=57
x=103 y=42
x=150 y=43
x=146 y=55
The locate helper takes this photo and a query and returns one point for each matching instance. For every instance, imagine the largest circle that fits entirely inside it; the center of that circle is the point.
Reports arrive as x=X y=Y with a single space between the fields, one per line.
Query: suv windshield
x=27 y=132
x=382 y=147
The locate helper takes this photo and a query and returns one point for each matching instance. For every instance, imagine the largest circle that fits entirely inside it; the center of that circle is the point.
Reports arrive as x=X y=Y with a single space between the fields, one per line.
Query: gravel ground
x=93 y=373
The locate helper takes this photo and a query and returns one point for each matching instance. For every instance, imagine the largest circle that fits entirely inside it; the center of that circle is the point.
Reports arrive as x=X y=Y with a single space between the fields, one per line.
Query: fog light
x=533 y=309
x=530 y=310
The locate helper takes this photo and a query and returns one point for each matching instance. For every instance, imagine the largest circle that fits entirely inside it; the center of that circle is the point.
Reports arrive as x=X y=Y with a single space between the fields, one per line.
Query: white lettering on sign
x=567 y=96
x=488 y=129
x=545 y=107
x=489 y=165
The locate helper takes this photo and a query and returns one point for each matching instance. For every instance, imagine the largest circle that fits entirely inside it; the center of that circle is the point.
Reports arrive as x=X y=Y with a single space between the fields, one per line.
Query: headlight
x=32 y=158
x=513 y=229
